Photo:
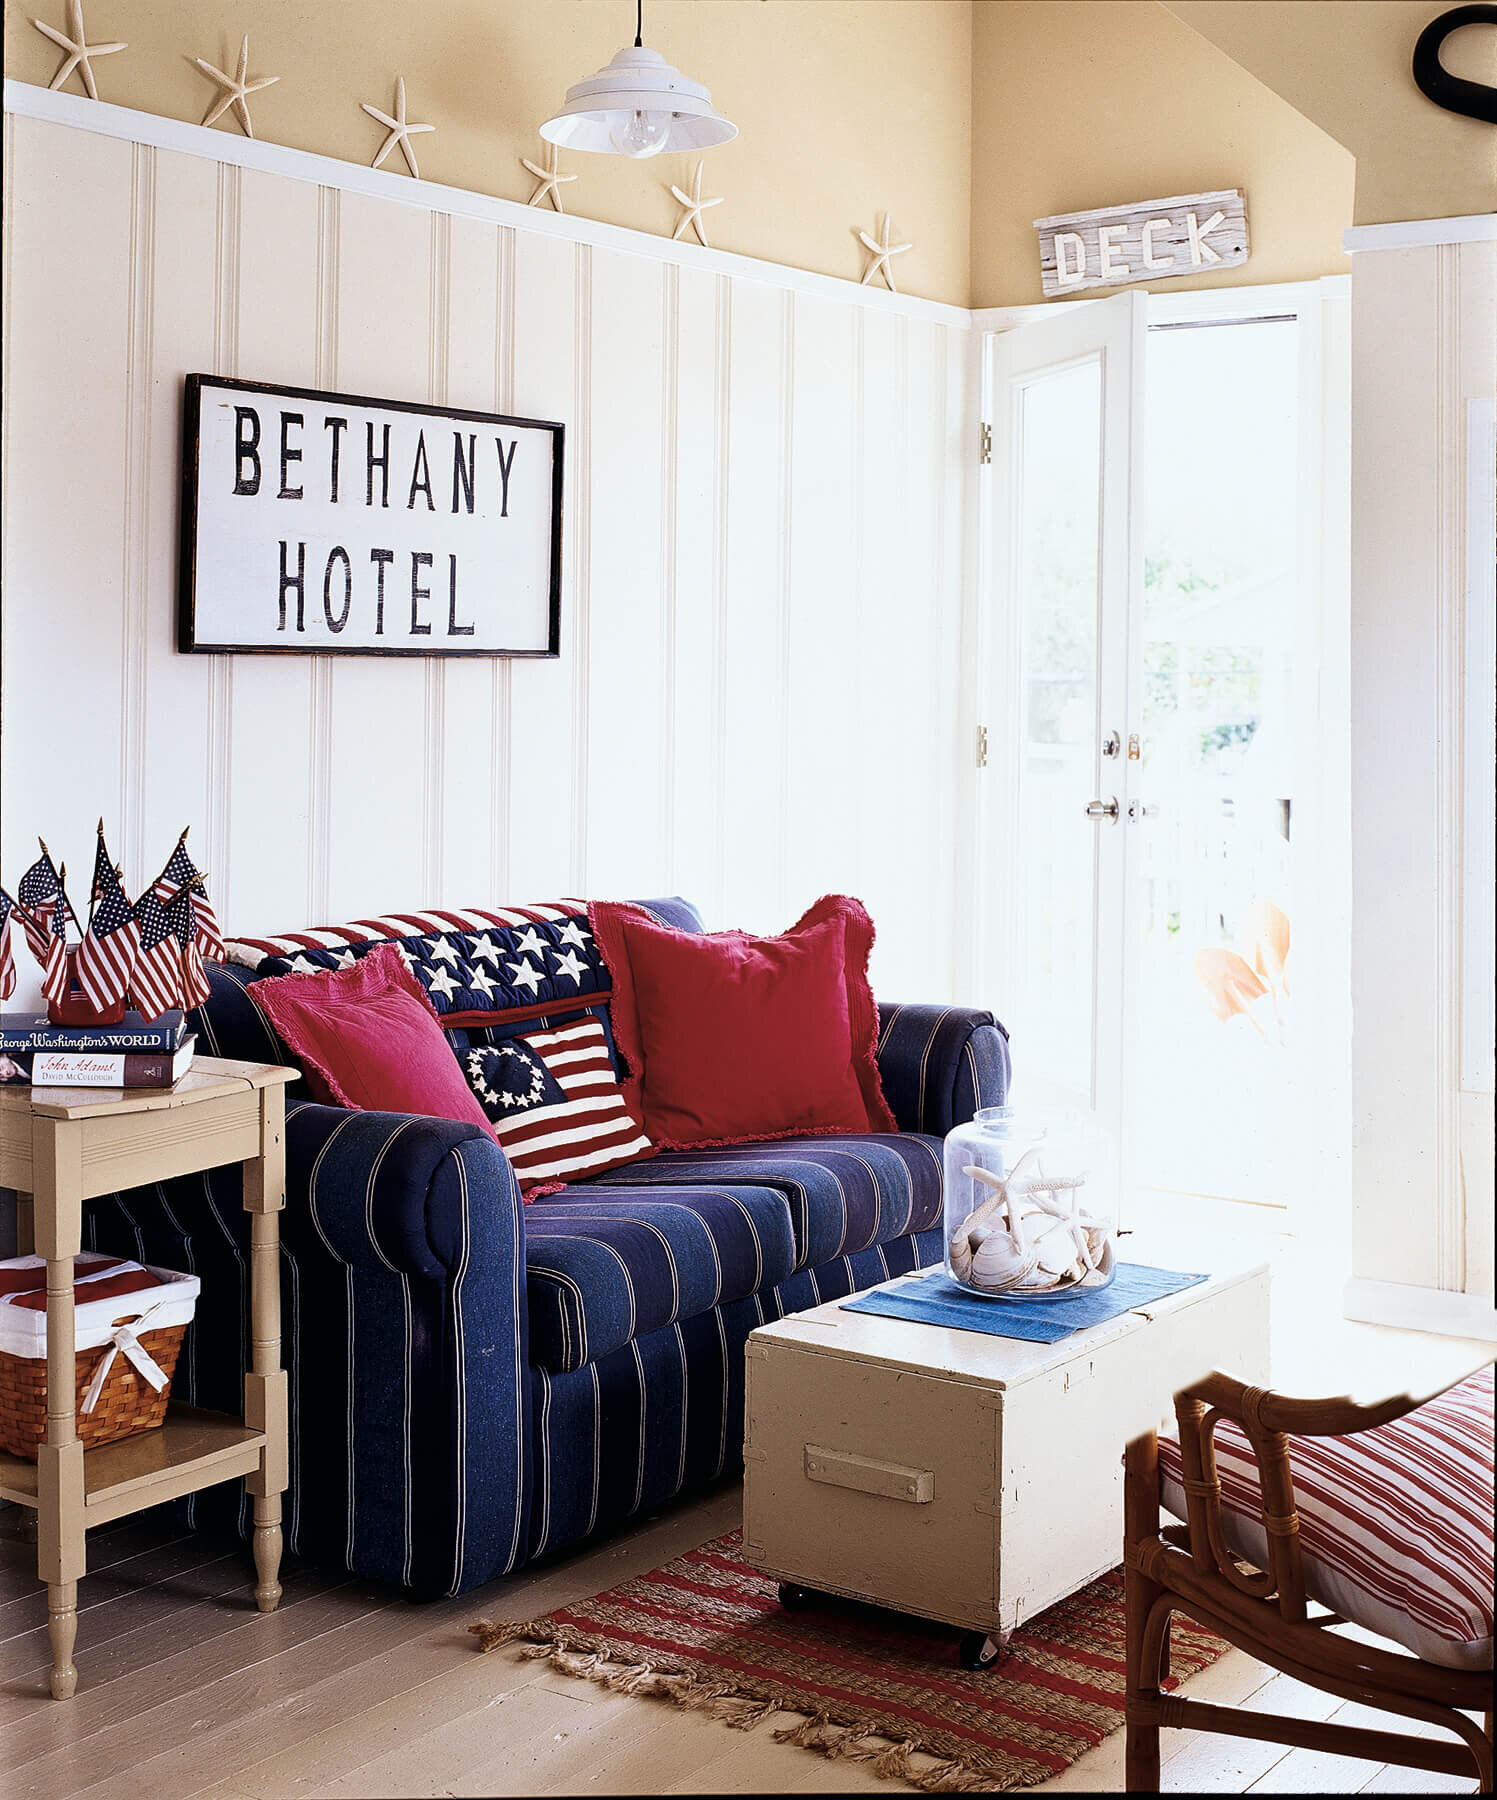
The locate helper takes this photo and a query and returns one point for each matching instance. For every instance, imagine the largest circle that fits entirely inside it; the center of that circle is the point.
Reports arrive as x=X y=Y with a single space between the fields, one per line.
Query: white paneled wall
x=756 y=700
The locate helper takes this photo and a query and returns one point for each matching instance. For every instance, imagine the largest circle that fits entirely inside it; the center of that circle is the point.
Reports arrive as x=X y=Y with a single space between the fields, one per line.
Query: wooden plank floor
x=349 y=1690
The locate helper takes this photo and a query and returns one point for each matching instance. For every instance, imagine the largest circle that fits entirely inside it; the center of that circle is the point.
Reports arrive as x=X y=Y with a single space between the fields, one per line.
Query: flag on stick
x=7 y=961
x=181 y=872
x=111 y=939
x=55 y=963
x=156 y=979
x=37 y=893
x=193 y=982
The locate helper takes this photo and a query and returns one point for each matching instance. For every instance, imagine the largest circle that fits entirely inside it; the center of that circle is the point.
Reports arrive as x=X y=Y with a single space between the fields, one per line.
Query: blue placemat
x=935 y=1299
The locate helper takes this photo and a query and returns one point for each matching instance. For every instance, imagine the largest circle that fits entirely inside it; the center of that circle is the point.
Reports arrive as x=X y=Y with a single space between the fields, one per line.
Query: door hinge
x=985 y=452
x=982 y=746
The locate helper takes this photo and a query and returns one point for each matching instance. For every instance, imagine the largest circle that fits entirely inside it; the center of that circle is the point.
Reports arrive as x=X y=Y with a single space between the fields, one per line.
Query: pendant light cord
x=639 y=24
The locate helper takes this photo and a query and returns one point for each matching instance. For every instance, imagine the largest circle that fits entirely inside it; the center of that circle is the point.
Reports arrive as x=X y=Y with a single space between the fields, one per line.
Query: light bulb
x=641 y=133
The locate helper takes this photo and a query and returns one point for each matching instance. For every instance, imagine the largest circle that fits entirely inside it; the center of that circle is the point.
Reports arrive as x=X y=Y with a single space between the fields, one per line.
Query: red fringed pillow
x=372 y=1037
x=731 y=1038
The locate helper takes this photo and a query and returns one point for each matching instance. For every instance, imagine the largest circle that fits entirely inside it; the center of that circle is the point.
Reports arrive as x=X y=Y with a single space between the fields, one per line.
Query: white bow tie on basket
x=1024 y=1239
x=123 y=1341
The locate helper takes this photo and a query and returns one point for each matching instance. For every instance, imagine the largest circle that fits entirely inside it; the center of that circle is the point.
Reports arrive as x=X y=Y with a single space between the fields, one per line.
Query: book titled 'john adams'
x=22 y=1033
x=90 y=1069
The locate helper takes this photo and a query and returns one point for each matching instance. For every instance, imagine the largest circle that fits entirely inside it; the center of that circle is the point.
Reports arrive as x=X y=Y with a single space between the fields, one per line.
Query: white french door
x=1164 y=858
x=1065 y=570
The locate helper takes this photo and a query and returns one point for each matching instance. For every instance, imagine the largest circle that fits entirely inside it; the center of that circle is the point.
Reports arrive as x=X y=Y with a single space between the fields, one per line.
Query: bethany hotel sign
x=325 y=523
x=1152 y=240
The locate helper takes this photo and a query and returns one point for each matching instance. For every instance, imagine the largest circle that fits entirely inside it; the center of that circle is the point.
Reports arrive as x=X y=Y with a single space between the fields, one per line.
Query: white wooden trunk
x=961 y=1477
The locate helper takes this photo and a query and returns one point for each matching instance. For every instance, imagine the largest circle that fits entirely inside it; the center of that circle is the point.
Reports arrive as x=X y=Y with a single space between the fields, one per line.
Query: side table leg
x=267 y=1548
x=62 y=1631
x=265 y=1382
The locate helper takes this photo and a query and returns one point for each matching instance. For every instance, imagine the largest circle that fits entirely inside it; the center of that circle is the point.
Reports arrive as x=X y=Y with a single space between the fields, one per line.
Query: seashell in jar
x=997 y=1263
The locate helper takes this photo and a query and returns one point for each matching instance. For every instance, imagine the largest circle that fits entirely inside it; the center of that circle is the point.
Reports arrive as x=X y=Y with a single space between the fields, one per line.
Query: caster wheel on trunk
x=795 y=1598
x=976 y=1650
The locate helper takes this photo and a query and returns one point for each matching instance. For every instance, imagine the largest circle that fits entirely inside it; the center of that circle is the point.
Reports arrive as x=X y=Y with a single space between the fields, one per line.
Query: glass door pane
x=1058 y=475
x=1218 y=857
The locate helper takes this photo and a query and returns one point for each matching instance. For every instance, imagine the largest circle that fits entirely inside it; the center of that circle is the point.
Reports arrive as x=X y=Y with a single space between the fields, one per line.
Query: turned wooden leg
x=1140 y=1597
x=267 y=1550
x=62 y=1630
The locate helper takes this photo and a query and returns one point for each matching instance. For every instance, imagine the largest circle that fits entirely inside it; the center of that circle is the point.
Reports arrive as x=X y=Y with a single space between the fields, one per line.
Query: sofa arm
x=939 y=1064
x=403 y=1330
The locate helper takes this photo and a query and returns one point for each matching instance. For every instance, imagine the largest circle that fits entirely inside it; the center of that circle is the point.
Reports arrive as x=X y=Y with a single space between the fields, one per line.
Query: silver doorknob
x=1102 y=809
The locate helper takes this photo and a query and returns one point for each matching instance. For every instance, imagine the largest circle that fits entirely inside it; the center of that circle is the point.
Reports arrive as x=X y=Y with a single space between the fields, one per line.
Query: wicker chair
x=1205 y=1571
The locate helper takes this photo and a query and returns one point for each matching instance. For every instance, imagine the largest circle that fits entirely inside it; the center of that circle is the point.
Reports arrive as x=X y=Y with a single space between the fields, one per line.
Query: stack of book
x=136 y=1053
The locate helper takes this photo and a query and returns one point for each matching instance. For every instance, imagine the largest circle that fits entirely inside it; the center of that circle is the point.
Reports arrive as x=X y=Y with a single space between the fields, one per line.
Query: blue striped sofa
x=476 y=1383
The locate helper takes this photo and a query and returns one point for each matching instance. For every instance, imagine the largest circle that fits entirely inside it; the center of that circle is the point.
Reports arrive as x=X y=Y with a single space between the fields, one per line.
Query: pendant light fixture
x=638 y=106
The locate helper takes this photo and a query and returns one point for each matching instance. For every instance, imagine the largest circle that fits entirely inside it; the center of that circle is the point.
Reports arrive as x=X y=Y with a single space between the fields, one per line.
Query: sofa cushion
x=843 y=1193
x=605 y=1268
x=1395 y=1524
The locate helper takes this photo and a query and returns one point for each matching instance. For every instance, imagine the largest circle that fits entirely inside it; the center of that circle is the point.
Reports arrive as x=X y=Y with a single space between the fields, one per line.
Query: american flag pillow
x=555 y=1104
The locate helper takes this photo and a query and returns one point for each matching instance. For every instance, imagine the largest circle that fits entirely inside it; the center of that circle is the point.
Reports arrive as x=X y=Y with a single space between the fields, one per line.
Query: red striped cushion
x=1395 y=1524
x=555 y=1105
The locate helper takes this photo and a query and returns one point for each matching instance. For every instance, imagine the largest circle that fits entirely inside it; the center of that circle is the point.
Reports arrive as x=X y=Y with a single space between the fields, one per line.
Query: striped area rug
x=872 y=1686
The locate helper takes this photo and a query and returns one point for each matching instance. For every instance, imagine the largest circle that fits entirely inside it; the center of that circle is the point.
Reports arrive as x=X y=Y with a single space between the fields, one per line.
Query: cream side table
x=59 y=1147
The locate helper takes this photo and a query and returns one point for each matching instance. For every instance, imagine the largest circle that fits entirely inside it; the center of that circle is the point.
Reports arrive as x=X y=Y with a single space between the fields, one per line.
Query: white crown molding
x=104 y=120
x=1420 y=1309
x=1420 y=234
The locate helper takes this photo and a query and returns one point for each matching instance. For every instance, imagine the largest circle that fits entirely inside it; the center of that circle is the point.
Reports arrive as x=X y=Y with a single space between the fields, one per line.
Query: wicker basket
x=127 y=1402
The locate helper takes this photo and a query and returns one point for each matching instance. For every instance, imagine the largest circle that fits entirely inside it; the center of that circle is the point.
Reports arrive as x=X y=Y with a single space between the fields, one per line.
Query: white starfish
x=550 y=179
x=572 y=933
x=570 y=965
x=77 y=49
x=695 y=206
x=399 y=131
x=882 y=251
x=236 y=89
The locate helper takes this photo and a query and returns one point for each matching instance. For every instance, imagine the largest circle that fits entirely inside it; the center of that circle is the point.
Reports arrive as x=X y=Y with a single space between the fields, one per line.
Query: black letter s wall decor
x=1473 y=99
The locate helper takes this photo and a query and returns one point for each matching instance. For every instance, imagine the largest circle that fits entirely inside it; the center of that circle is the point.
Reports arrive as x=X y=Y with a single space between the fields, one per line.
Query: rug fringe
x=663 y=1679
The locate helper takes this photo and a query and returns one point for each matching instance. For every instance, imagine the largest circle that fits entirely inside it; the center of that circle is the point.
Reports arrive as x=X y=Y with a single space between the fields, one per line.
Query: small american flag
x=55 y=962
x=156 y=979
x=37 y=893
x=106 y=955
x=181 y=872
x=193 y=982
x=7 y=961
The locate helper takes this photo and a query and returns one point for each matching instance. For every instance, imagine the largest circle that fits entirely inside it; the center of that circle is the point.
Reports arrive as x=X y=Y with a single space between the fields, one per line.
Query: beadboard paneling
x=761 y=579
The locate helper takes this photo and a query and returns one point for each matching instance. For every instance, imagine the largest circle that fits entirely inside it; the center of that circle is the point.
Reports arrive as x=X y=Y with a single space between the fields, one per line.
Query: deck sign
x=323 y=523
x=1152 y=240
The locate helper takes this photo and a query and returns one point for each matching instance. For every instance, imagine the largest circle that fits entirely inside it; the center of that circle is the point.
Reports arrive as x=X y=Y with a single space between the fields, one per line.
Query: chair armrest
x=1333 y=1416
x=939 y=1064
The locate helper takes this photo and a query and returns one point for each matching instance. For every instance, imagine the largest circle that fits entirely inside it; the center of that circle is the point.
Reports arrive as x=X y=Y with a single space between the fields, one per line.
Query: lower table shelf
x=191 y=1450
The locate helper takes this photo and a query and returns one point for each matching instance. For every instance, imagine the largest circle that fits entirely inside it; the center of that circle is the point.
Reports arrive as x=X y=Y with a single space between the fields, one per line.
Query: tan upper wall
x=1083 y=103
x=1345 y=64
x=845 y=109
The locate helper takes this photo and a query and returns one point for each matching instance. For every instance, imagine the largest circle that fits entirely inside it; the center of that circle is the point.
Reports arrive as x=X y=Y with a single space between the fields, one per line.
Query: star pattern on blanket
x=492 y=970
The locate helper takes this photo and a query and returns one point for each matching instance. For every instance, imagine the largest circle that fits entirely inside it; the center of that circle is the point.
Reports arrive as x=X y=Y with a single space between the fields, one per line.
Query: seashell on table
x=1025 y=1238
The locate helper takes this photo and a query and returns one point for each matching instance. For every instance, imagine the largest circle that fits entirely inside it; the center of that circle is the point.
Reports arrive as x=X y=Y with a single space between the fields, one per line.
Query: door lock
x=1112 y=744
x=1102 y=809
x=1138 y=809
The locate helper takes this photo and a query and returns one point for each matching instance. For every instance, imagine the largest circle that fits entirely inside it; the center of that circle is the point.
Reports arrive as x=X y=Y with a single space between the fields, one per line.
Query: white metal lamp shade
x=638 y=106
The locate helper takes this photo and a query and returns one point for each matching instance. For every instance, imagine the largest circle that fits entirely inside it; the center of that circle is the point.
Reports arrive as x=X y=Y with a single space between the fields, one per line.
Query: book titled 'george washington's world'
x=25 y=1032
